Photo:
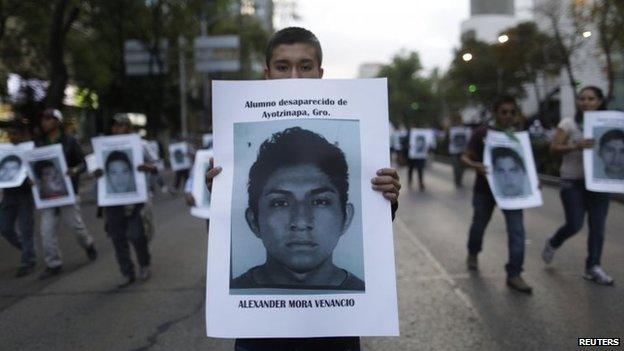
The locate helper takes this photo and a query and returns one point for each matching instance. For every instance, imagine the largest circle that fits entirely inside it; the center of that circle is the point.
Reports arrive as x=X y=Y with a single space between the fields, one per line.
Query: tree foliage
x=412 y=96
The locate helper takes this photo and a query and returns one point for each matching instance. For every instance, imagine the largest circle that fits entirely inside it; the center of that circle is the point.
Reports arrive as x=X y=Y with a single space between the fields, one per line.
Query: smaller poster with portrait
x=207 y=141
x=419 y=142
x=179 y=157
x=119 y=156
x=13 y=170
x=200 y=191
x=458 y=139
x=511 y=170
x=48 y=170
x=153 y=148
x=604 y=163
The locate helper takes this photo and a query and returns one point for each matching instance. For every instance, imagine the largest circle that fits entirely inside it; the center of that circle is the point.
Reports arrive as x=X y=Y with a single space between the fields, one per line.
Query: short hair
x=504 y=99
x=502 y=152
x=298 y=146
x=40 y=165
x=10 y=158
x=613 y=134
x=293 y=35
x=117 y=156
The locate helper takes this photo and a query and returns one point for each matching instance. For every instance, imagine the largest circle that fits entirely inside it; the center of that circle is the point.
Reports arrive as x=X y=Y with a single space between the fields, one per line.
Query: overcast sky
x=357 y=31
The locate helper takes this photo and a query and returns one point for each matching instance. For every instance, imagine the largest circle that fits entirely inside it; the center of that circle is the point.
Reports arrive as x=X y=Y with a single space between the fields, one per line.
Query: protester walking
x=505 y=112
x=17 y=206
x=54 y=133
x=577 y=201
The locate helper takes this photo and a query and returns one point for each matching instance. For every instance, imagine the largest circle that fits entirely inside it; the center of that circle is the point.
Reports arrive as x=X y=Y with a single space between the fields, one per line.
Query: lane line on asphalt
x=444 y=274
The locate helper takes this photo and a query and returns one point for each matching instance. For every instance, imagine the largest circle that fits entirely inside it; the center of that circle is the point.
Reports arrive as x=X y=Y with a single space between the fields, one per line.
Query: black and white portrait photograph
x=297 y=222
x=47 y=170
x=201 y=195
x=609 y=153
x=458 y=139
x=119 y=157
x=13 y=169
x=603 y=164
x=119 y=171
x=511 y=171
x=179 y=157
x=418 y=143
x=49 y=178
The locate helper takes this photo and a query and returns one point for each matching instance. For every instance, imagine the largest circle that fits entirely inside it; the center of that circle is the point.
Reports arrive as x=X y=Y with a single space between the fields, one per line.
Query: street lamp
x=503 y=38
x=467 y=57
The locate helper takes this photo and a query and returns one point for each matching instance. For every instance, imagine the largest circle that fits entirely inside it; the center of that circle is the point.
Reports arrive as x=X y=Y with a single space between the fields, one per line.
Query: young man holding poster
x=505 y=111
x=52 y=127
x=296 y=53
x=17 y=205
x=126 y=223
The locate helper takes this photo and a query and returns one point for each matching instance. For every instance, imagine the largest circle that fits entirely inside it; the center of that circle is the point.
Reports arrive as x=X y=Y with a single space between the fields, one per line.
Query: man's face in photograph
x=9 y=169
x=459 y=140
x=612 y=156
x=300 y=217
x=120 y=176
x=509 y=176
x=52 y=180
x=420 y=143
x=178 y=156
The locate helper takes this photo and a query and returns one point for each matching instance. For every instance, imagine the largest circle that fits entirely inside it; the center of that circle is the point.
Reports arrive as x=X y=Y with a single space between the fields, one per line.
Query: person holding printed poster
x=575 y=198
x=125 y=224
x=505 y=112
x=52 y=127
x=295 y=52
x=17 y=206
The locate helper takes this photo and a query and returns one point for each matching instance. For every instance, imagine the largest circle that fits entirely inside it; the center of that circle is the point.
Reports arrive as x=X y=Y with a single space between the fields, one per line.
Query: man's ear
x=266 y=72
x=349 y=212
x=252 y=221
x=322 y=71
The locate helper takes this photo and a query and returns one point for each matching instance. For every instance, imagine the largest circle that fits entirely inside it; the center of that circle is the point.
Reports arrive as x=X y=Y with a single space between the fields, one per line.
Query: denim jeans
x=50 y=220
x=19 y=207
x=483 y=205
x=576 y=202
x=121 y=227
x=419 y=164
x=299 y=344
x=458 y=169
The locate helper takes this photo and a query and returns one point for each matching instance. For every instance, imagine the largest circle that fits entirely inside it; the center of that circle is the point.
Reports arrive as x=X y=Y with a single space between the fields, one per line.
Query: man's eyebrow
x=322 y=190
x=278 y=191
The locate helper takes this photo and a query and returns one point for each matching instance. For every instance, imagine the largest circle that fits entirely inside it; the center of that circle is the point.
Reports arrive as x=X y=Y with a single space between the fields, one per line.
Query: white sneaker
x=548 y=253
x=597 y=275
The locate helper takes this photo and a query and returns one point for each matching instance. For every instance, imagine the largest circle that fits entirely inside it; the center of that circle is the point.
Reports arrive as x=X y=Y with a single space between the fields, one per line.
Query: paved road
x=441 y=306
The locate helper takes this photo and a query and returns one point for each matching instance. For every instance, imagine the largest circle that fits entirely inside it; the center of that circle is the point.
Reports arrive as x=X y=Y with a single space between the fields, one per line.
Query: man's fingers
x=392 y=197
x=388 y=172
x=386 y=180
x=386 y=188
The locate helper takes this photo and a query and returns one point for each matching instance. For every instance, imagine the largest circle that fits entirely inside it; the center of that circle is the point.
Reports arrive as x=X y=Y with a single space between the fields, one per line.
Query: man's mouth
x=301 y=245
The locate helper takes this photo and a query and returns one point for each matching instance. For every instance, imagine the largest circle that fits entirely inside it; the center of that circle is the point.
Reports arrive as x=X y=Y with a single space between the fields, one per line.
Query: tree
x=411 y=95
x=607 y=16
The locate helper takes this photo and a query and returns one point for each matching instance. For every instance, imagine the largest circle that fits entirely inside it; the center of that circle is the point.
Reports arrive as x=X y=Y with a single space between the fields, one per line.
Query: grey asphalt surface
x=442 y=306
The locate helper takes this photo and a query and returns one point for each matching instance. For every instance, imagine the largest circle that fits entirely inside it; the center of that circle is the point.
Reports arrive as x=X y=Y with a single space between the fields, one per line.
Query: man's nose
x=294 y=73
x=301 y=217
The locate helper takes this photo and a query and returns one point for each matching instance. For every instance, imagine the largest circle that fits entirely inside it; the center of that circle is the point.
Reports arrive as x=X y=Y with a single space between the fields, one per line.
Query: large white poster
x=458 y=139
x=300 y=245
x=48 y=170
x=119 y=157
x=604 y=163
x=511 y=170
x=419 y=141
x=13 y=169
x=200 y=191
x=179 y=157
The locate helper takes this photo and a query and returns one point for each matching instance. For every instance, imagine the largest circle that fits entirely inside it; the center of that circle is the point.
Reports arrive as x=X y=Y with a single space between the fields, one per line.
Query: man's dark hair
x=502 y=152
x=293 y=35
x=118 y=156
x=613 y=134
x=10 y=158
x=297 y=146
x=504 y=99
x=40 y=165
